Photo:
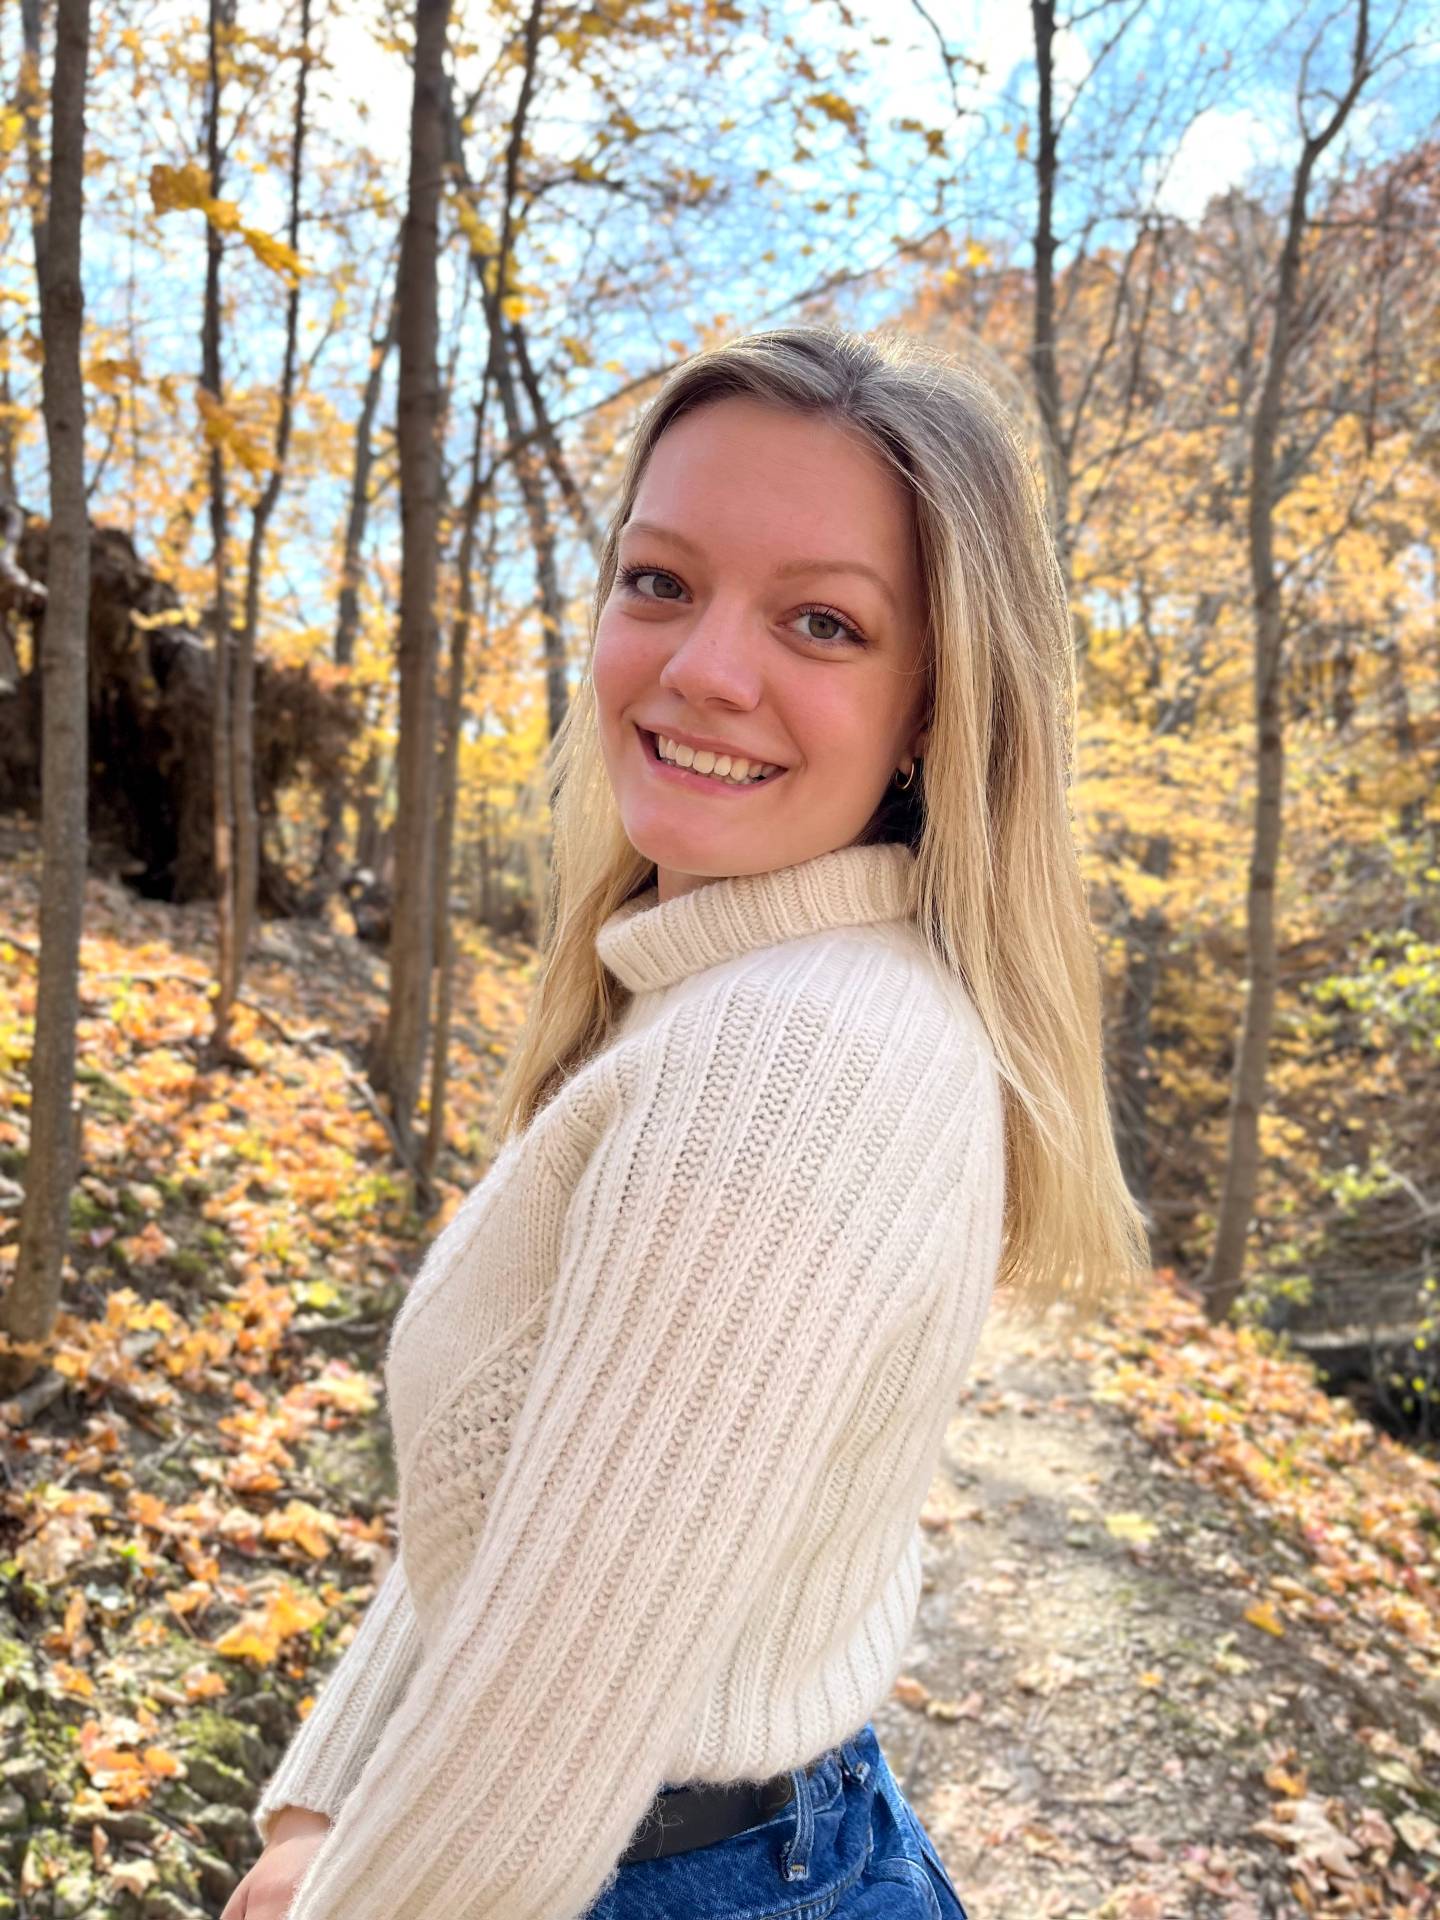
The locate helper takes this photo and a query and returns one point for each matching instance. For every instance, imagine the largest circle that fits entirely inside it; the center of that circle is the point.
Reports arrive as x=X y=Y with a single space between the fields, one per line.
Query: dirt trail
x=1085 y=1720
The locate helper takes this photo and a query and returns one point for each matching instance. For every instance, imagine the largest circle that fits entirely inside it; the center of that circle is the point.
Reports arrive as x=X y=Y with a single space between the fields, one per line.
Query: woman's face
x=767 y=602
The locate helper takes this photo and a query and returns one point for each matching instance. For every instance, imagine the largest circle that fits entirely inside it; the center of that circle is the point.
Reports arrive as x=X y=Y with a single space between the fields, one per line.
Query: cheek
x=620 y=663
x=841 y=718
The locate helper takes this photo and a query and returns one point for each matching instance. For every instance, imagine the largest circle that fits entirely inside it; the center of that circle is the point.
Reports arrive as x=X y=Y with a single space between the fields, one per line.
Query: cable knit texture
x=667 y=1394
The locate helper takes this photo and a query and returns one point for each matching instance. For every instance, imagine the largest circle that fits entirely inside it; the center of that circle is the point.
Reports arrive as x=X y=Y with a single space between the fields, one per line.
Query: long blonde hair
x=999 y=894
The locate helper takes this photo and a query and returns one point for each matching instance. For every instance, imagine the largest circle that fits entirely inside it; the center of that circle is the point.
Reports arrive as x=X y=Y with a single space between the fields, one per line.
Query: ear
x=920 y=741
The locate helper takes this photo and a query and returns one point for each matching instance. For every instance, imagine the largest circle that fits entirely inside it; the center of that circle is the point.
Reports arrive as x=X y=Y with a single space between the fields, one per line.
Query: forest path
x=1087 y=1722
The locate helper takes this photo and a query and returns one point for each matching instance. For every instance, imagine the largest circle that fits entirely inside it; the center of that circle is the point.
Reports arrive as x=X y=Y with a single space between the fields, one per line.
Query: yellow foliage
x=187 y=190
x=173 y=188
x=274 y=254
x=1263 y=1615
x=480 y=234
x=223 y=429
x=258 y=1636
x=835 y=107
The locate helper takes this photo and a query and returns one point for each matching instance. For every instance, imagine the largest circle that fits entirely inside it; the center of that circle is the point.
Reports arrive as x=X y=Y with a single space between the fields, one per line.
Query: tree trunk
x=493 y=277
x=1044 y=369
x=242 y=717
x=559 y=467
x=29 y=1305
x=1133 y=1071
x=347 y=614
x=398 y=1058
x=1224 y=1276
x=31 y=102
x=449 y=784
x=529 y=470
x=221 y=18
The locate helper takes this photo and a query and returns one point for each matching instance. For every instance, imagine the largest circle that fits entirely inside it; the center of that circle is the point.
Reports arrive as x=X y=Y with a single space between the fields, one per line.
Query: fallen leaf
x=910 y=1692
x=1130 y=1526
x=1262 y=1614
x=1312 y=1836
x=1418 y=1832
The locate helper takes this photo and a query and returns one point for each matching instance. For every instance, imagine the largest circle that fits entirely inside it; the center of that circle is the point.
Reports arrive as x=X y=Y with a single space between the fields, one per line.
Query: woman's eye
x=665 y=582
x=833 y=631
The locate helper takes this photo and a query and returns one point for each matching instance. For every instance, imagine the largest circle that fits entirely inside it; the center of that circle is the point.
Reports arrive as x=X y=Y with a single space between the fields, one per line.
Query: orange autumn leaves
x=162 y=1529
x=122 y=1763
x=122 y=1754
x=259 y=1635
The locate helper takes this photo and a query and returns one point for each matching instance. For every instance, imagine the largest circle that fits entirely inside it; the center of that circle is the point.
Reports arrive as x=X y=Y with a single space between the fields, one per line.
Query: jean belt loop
x=795 y=1855
x=857 y=1768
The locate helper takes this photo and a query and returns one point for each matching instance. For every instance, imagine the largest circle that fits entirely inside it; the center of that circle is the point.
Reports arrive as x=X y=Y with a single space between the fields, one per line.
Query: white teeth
x=738 y=772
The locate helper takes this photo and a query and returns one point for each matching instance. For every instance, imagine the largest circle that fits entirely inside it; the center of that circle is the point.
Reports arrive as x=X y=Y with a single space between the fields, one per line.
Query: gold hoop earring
x=903 y=784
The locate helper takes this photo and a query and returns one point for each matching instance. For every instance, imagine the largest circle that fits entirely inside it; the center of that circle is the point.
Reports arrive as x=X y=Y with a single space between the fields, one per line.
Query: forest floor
x=1113 y=1706
x=1178 y=1652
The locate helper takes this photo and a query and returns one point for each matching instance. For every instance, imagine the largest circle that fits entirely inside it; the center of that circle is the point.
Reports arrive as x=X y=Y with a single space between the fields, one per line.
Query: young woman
x=813 y=1065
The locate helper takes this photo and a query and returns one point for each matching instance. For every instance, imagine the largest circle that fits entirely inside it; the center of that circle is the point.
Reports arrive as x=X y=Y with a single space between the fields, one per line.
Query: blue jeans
x=848 y=1846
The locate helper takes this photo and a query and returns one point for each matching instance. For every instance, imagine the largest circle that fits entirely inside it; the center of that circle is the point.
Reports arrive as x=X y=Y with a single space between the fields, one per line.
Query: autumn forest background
x=322 y=331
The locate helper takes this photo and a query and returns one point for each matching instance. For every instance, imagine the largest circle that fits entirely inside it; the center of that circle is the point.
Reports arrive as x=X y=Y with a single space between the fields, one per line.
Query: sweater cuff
x=332 y=1745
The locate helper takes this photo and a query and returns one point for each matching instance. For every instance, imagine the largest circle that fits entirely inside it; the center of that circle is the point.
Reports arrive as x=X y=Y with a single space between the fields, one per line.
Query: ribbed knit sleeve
x=740 y=1247
x=330 y=1748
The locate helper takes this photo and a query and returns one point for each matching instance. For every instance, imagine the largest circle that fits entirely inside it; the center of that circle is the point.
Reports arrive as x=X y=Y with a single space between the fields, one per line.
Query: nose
x=716 y=657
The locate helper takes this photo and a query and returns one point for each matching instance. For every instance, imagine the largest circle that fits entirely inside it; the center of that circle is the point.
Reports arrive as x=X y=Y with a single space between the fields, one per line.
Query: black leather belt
x=681 y=1818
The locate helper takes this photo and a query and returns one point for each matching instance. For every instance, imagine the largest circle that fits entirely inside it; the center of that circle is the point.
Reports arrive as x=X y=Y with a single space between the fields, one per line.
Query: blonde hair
x=999 y=895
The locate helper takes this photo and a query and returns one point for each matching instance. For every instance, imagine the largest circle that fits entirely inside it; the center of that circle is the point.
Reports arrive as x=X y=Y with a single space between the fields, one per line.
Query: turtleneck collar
x=648 y=943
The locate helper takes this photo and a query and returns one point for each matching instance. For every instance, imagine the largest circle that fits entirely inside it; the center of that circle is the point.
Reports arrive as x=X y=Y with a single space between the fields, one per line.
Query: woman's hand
x=267 y=1890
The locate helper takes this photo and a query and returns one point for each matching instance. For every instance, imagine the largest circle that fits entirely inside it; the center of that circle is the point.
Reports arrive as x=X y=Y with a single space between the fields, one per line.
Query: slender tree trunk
x=528 y=459
x=30 y=1303
x=449 y=793
x=549 y=439
x=7 y=461
x=1225 y=1274
x=529 y=472
x=242 y=718
x=1044 y=369
x=221 y=18
x=31 y=101
x=398 y=1058
x=347 y=617
x=30 y=104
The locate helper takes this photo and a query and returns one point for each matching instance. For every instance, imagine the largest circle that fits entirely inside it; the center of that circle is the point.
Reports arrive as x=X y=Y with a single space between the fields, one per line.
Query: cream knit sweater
x=667 y=1396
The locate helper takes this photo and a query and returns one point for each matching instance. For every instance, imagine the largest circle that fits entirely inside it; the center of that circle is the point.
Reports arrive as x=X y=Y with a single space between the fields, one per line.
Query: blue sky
x=1191 y=100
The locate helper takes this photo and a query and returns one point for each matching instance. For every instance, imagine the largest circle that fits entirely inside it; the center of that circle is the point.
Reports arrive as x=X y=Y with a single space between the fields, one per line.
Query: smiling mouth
x=710 y=782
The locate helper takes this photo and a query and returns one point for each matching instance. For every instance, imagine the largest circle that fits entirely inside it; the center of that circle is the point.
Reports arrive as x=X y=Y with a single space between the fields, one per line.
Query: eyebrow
x=788 y=571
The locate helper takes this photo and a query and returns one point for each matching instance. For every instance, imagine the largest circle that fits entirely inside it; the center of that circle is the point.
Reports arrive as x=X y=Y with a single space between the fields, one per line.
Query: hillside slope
x=1177 y=1652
